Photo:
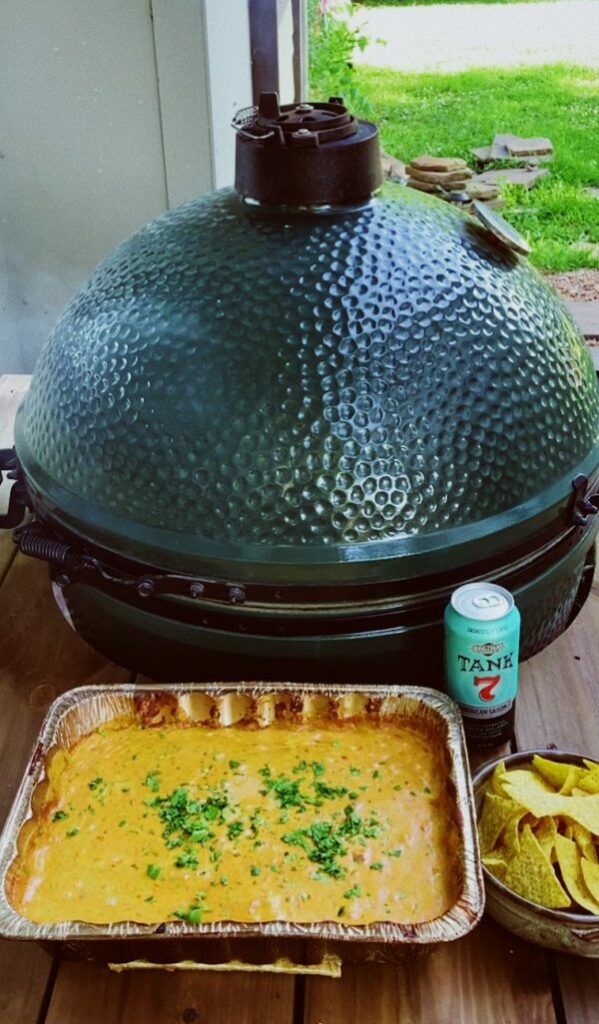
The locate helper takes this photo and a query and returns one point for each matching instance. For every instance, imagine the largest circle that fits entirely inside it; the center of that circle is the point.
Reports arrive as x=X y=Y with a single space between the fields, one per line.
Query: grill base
x=169 y=650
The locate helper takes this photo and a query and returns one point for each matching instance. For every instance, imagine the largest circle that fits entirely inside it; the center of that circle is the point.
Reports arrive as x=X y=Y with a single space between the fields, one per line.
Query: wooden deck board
x=91 y=993
x=487 y=978
x=558 y=703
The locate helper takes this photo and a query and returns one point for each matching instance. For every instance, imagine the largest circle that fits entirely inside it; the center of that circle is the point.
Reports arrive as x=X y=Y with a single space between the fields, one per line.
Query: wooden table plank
x=558 y=702
x=558 y=697
x=92 y=993
x=40 y=657
x=487 y=977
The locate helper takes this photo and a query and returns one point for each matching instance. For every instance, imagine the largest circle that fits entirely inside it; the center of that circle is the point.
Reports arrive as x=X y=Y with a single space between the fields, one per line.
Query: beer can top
x=483 y=601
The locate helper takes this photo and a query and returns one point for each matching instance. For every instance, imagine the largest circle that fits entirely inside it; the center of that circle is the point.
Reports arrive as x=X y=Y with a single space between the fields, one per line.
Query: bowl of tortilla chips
x=538 y=825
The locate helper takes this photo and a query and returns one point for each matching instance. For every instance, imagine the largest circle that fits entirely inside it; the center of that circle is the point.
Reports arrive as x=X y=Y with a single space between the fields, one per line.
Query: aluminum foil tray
x=81 y=710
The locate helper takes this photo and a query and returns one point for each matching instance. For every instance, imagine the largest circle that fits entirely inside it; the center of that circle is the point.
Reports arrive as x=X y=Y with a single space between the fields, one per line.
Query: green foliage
x=448 y=114
x=332 y=45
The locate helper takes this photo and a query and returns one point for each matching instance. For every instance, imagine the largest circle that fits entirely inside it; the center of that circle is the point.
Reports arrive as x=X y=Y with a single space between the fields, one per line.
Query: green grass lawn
x=448 y=114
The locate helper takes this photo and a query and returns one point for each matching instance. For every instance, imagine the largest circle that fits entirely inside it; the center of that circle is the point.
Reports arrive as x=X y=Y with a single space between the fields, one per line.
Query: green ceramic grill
x=281 y=423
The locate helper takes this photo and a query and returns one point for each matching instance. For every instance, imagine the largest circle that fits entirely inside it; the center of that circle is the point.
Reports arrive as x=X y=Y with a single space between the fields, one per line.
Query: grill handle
x=586 y=502
x=17 y=502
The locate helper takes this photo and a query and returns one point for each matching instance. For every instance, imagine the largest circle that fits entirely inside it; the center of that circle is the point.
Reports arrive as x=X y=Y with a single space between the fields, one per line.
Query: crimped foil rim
x=456 y=922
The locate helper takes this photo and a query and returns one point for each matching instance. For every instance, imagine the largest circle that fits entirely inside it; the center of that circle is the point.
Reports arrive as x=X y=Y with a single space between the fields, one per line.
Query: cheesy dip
x=340 y=821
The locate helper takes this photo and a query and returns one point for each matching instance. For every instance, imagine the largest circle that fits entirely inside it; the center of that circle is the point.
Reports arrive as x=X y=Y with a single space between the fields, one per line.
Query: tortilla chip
x=495 y=785
x=589 y=781
x=530 y=874
x=496 y=812
x=584 y=839
x=533 y=793
x=554 y=772
x=572 y=779
x=590 y=873
x=496 y=865
x=545 y=832
x=511 y=835
x=569 y=860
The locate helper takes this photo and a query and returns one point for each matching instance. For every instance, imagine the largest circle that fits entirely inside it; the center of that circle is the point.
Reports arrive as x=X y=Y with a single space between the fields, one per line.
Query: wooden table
x=490 y=976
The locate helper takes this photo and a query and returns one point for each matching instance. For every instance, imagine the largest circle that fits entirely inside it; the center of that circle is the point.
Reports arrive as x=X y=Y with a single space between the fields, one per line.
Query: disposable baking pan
x=78 y=712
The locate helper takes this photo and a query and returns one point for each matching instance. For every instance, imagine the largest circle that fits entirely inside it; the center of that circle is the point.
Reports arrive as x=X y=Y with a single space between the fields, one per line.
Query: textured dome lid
x=317 y=397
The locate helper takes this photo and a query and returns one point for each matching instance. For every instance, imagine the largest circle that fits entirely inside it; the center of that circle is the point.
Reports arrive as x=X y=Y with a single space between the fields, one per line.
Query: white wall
x=110 y=112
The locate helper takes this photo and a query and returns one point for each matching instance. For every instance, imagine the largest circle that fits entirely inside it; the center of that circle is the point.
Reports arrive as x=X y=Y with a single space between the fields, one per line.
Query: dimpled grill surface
x=329 y=380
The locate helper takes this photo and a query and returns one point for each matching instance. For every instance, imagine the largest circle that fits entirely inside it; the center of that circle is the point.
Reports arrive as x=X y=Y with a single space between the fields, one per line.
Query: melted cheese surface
x=345 y=822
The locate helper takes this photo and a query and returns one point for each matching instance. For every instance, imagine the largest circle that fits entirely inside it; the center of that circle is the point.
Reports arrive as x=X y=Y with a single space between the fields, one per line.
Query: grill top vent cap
x=305 y=154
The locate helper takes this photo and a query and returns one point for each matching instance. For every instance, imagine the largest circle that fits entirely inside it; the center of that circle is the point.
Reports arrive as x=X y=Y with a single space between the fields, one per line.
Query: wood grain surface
x=558 y=703
x=487 y=978
x=92 y=994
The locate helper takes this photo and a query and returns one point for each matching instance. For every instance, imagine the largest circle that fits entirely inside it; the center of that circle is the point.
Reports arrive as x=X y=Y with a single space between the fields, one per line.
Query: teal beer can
x=482 y=637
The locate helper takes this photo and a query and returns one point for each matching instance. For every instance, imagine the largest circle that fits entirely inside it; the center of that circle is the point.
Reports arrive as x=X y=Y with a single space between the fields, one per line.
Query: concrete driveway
x=451 y=37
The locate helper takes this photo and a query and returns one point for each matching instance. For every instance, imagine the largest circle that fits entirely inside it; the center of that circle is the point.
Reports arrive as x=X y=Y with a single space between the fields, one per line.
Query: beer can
x=482 y=636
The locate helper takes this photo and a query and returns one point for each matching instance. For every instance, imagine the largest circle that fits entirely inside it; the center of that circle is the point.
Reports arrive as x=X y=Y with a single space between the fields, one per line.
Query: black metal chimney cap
x=305 y=154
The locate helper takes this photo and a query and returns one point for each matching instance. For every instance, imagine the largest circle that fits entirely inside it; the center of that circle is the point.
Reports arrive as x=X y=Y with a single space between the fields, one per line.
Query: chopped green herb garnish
x=59 y=816
x=376 y=774
x=285 y=791
x=255 y=871
x=318 y=768
x=149 y=899
x=329 y=792
x=322 y=846
x=354 y=891
x=195 y=912
x=355 y=771
x=341 y=911
x=73 y=832
x=396 y=852
x=398 y=788
x=122 y=823
x=234 y=829
x=186 y=860
x=427 y=789
x=152 y=871
x=234 y=764
x=187 y=819
x=151 y=781
x=377 y=866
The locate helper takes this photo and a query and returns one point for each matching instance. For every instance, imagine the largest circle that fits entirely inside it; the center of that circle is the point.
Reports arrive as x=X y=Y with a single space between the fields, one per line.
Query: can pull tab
x=585 y=503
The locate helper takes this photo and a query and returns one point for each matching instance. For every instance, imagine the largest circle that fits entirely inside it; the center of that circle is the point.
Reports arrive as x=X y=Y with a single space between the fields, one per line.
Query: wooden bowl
x=562 y=930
